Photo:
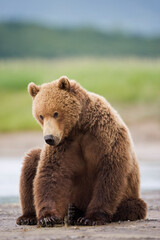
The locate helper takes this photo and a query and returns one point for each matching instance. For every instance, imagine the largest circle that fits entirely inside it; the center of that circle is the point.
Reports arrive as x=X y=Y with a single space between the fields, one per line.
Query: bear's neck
x=94 y=109
x=89 y=114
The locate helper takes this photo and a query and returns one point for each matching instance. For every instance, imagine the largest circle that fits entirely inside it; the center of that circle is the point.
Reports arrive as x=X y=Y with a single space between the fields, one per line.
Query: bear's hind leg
x=74 y=214
x=26 y=188
x=131 y=209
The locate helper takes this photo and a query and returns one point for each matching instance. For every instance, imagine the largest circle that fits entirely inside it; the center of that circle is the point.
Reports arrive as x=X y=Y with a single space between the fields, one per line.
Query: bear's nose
x=49 y=139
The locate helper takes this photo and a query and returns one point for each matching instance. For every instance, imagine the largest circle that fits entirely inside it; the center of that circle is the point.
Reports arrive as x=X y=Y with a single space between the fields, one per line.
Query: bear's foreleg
x=52 y=189
x=107 y=193
x=26 y=188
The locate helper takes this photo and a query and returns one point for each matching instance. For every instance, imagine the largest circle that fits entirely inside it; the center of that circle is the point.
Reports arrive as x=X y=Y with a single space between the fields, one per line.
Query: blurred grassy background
x=126 y=83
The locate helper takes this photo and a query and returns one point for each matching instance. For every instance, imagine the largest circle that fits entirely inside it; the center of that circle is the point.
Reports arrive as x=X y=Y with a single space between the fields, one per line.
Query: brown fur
x=91 y=165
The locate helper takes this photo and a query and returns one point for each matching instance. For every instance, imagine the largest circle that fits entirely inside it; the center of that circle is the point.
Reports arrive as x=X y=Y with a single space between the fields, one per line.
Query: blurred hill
x=22 y=40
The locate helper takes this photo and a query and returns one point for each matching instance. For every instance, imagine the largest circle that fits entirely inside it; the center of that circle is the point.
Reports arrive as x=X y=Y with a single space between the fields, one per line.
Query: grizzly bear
x=88 y=160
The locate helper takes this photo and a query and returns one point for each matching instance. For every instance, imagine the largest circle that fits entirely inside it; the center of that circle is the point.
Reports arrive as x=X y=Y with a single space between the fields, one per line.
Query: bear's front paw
x=94 y=219
x=49 y=221
x=27 y=220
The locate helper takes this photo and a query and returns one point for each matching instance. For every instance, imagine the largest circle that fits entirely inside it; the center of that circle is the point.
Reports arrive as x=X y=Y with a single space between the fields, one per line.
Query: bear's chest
x=83 y=153
x=91 y=152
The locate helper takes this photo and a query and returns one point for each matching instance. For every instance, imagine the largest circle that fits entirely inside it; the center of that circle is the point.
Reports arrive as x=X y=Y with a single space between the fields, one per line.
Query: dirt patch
x=143 y=229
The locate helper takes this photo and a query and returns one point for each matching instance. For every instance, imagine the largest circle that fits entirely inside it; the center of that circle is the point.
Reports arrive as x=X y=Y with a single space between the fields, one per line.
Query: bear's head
x=56 y=108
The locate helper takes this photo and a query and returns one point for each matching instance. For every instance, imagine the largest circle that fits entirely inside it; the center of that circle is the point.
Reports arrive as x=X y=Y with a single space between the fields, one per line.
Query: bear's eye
x=55 y=115
x=41 y=117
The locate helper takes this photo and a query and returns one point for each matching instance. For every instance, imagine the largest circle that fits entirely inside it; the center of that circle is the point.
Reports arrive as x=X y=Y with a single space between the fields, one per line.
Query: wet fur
x=94 y=167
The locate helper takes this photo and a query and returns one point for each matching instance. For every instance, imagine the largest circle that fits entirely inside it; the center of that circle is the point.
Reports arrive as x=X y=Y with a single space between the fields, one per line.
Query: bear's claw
x=49 y=221
x=85 y=222
x=26 y=220
x=82 y=221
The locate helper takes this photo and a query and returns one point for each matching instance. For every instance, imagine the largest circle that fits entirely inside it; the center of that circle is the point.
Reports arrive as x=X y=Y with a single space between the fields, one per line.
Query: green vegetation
x=127 y=81
x=30 y=40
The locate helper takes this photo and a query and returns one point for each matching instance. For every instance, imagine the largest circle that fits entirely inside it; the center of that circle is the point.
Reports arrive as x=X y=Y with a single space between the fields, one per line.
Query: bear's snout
x=49 y=139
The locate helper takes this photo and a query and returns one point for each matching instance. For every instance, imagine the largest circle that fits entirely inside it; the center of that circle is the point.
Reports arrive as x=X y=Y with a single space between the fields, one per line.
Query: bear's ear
x=33 y=89
x=64 y=83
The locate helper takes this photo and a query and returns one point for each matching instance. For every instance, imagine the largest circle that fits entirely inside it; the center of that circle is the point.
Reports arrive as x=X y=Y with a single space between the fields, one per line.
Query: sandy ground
x=143 y=229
